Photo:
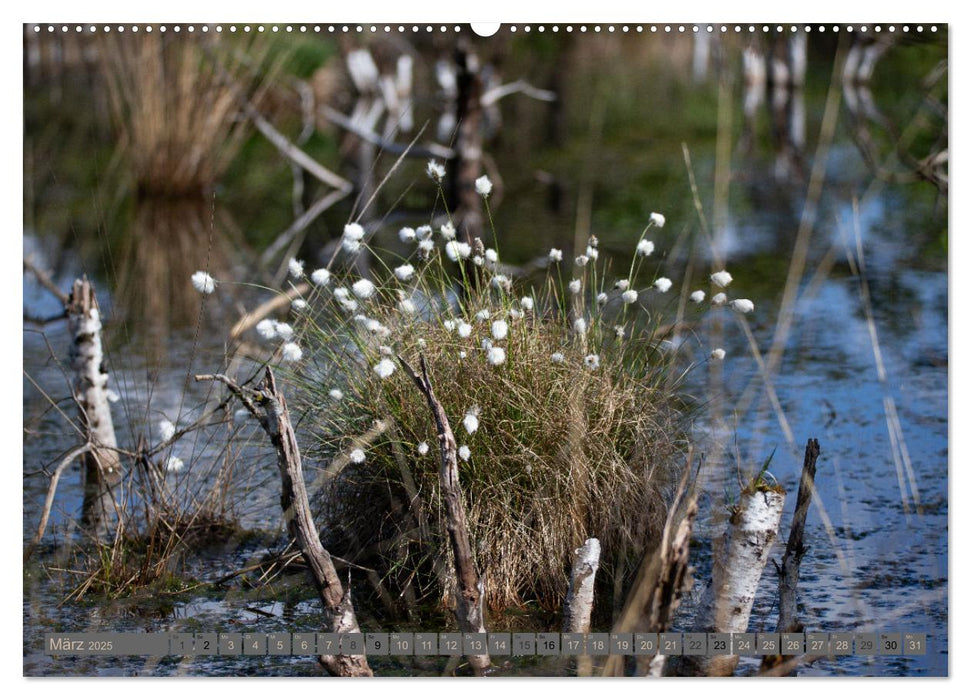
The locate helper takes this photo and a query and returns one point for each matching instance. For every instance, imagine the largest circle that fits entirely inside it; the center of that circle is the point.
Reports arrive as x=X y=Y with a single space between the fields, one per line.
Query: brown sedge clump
x=579 y=432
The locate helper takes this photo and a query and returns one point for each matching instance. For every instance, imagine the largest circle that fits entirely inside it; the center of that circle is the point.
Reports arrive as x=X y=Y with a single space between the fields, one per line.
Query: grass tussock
x=175 y=101
x=564 y=397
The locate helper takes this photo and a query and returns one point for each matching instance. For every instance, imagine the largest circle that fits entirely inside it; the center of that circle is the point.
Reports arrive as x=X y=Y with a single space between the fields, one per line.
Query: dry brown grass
x=562 y=453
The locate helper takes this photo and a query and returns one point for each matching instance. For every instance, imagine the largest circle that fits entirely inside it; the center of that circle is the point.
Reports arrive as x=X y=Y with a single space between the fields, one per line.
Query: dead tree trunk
x=789 y=569
x=737 y=569
x=467 y=204
x=268 y=405
x=470 y=592
x=579 y=598
x=102 y=465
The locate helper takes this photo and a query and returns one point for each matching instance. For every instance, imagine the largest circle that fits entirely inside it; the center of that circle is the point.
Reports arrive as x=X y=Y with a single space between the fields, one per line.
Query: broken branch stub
x=268 y=405
x=470 y=592
x=795 y=549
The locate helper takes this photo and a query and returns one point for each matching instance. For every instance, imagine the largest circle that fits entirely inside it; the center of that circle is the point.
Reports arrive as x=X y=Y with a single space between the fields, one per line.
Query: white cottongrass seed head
x=575 y=286
x=174 y=465
x=526 y=303
x=407 y=307
x=619 y=332
x=407 y=235
x=500 y=329
x=483 y=186
x=336 y=394
x=267 y=329
x=719 y=299
x=657 y=219
x=357 y=456
x=385 y=368
x=457 y=250
x=471 y=420
x=743 y=306
x=448 y=231
x=592 y=253
x=292 y=352
x=464 y=329
x=320 y=277
x=557 y=358
x=283 y=330
x=622 y=285
x=354 y=232
x=581 y=260
x=404 y=272
x=295 y=268
x=465 y=453
x=645 y=247
x=580 y=326
x=298 y=304
x=556 y=255
x=662 y=284
x=203 y=282
x=482 y=315
x=424 y=233
x=718 y=354
x=592 y=362
x=423 y=448
x=363 y=289
x=491 y=255
x=166 y=429
x=350 y=245
x=435 y=170
x=629 y=297
x=722 y=279
x=602 y=299
x=496 y=356
x=425 y=248
x=697 y=296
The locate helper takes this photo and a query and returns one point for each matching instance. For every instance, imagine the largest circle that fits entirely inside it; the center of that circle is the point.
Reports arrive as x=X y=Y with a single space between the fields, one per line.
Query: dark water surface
x=878 y=557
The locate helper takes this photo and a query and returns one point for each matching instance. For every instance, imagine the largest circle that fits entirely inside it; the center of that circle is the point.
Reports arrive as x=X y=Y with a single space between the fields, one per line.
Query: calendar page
x=506 y=350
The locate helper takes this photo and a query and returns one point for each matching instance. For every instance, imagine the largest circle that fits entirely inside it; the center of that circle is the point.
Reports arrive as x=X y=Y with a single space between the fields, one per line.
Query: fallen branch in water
x=267 y=404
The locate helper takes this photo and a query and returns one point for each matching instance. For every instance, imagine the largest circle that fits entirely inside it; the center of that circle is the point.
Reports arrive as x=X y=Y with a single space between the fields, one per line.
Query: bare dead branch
x=469 y=596
x=45 y=280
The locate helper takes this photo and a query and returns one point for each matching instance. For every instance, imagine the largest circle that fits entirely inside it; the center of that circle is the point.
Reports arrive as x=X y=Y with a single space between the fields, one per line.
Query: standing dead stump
x=102 y=465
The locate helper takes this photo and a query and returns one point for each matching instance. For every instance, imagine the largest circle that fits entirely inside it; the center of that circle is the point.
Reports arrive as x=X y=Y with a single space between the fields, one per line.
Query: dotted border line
x=513 y=28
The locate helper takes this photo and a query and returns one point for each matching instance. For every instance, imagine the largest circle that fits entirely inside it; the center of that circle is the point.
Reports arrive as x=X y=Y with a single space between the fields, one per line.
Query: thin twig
x=45 y=281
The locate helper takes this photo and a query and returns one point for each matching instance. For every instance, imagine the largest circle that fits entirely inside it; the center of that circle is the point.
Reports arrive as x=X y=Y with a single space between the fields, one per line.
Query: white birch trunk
x=579 y=598
x=737 y=569
x=90 y=387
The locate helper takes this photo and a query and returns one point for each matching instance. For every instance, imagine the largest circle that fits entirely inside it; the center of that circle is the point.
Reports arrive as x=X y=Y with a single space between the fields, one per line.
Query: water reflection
x=168 y=241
